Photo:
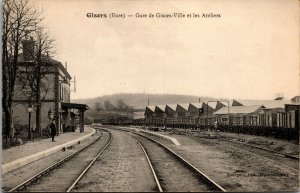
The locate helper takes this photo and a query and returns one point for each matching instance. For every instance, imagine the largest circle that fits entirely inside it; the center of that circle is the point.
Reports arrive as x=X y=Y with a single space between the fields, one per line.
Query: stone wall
x=21 y=116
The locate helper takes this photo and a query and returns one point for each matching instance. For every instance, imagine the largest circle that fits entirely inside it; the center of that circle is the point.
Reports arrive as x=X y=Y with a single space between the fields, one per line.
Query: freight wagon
x=279 y=123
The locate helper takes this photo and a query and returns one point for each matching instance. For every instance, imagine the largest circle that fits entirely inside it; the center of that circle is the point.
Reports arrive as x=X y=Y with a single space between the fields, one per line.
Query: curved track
x=151 y=167
x=171 y=171
x=59 y=176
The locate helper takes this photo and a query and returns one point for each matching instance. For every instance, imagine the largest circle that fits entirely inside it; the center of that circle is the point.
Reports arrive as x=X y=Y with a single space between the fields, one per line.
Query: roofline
x=59 y=64
x=65 y=70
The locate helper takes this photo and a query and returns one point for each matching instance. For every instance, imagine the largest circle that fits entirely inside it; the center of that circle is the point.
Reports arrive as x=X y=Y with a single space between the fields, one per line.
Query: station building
x=54 y=92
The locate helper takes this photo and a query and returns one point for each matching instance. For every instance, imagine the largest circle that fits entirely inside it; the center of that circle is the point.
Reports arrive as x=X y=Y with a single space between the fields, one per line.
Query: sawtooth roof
x=211 y=104
x=161 y=107
x=269 y=104
x=152 y=108
x=172 y=106
x=197 y=105
x=184 y=106
x=238 y=109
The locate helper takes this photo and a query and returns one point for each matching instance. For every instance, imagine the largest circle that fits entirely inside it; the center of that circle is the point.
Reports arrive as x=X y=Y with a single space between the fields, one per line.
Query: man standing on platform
x=53 y=130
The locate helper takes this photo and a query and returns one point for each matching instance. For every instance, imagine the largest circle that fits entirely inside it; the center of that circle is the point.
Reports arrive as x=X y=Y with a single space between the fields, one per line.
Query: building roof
x=279 y=98
x=161 y=107
x=295 y=98
x=213 y=105
x=293 y=103
x=269 y=104
x=74 y=106
x=172 y=106
x=184 y=106
x=238 y=110
x=226 y=103
x=197 y=105
x=151 y=108
x=46 y=61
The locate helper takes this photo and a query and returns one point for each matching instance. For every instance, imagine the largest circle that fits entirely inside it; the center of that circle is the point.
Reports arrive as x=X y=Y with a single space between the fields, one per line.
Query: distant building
x=209 y=107
x=238 y=110
x=149 y=111
x=296 y=99
x=182 y=110
x=171 y=110
x=160 y=114
x=268 y=104
x=188 y=113
x=195 y=109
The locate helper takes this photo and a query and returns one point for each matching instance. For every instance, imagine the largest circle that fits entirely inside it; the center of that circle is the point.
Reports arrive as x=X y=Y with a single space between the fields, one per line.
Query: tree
x=36 y=80
x=121 y=105
x=18 y=19
x=98 y=106
x=128 y=108
x=108 y=105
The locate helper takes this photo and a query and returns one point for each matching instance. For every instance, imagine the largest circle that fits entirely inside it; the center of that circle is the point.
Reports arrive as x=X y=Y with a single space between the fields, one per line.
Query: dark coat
x=53 y=129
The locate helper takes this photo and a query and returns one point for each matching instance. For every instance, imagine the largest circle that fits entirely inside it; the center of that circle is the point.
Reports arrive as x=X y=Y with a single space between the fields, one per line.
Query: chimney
x=28 y=49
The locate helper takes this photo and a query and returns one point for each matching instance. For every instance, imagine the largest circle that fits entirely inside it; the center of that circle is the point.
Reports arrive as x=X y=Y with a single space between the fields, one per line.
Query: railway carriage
x=276 y=122
x=224 y=122
x=238 y=121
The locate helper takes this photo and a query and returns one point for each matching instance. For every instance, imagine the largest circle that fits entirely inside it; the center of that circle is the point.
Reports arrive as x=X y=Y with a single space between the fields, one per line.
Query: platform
x=18 y=156
x=157 y=134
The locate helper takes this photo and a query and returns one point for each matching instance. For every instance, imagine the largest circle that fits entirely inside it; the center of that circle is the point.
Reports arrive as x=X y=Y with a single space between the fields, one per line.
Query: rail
x=208 y=180
x=151 y=167
x=261 y=148
x=91 y=163
x=50 y=168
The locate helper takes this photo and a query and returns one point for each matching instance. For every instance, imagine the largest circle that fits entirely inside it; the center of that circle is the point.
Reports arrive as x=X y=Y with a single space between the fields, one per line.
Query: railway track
x=60 y=175
x=286 y=160
x=268 y=150
x=171 y=171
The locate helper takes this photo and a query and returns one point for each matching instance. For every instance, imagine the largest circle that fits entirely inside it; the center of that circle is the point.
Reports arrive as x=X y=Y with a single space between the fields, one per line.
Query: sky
x=251 y=51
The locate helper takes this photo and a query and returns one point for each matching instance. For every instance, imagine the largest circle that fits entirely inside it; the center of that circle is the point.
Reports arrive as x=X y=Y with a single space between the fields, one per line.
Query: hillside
x=141 y=100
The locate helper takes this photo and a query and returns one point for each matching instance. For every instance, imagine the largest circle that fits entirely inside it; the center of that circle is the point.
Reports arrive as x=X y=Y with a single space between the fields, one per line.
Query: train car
x=283 y=124
x=211 y=122
x=288 y=125
x=202 y=122
x=279 y=123
x=238 y=123
x=138 y=122
x=194 y=121
x=225 y=122
x=295 y=124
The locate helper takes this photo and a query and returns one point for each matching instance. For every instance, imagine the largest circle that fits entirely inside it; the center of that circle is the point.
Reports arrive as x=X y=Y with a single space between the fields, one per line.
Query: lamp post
x=29 y=110
x=50 y=115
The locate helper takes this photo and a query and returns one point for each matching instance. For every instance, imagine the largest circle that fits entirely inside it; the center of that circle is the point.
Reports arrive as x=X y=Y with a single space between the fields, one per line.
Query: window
x=61 y=92
x=224 y=119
